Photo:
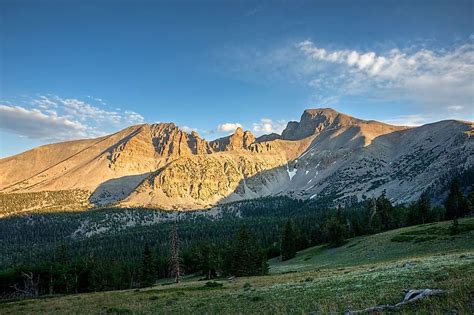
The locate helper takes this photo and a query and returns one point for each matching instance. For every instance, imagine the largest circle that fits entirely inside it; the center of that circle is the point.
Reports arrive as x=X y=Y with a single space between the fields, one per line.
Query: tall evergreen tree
x=147 y=268
x=336 y=229
x=470 y=199
x=246 y=257
x=175 y=262
x=208 y=259
x=424 y=207
x=456 y=205
x=301 y=238
x=385 y=212
x=288 y=241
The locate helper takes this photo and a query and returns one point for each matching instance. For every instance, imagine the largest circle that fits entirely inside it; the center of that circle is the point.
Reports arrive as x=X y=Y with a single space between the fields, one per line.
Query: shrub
x=213 y=284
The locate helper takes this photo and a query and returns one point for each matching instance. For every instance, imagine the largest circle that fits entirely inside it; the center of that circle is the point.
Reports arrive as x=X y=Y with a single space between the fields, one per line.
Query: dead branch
x=411 y=296
x=30 y=285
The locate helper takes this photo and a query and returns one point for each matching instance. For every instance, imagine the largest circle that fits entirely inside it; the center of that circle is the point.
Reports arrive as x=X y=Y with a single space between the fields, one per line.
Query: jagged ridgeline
x=325 y=154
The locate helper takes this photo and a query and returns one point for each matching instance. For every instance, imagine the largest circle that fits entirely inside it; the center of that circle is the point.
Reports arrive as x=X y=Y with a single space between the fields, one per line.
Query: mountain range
x=325 y=154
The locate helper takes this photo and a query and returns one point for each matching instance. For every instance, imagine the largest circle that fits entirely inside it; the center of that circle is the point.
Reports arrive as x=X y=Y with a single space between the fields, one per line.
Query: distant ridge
x=326 y=153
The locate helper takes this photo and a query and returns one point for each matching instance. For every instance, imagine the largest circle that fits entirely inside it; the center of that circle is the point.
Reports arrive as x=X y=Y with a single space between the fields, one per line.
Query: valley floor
x=365 y=272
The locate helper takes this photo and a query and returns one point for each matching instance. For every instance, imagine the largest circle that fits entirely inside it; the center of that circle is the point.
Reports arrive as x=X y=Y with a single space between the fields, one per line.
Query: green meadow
x=364 y=272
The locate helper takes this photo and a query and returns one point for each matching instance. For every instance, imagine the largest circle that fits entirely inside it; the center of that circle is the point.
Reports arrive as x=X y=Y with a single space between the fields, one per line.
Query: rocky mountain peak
x=327 y=112
x=239 y=131
x=194 y=134
x=248 y=139
x=237 y=141
x=162 y=127
x=313 y=121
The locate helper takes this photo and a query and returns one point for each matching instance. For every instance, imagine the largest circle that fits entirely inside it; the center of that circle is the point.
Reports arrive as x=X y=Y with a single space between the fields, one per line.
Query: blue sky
x=75 y=69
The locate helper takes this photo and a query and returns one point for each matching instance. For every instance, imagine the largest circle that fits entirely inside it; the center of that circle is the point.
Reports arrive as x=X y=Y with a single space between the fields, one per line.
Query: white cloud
x=427 y=80
x=266 y=125
x=455 y=108
x=188 y=129
x=52 y=118
x=409 y=120
x=437 y=79
x=37 y=125
x=228 y=127
x=133 y=117
x=83 y=111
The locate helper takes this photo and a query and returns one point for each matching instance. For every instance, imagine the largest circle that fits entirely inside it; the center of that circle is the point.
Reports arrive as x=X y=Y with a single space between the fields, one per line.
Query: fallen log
x=411 y=296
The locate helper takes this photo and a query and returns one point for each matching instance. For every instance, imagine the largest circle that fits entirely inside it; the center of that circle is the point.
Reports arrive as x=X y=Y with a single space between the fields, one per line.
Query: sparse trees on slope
x=288 y=241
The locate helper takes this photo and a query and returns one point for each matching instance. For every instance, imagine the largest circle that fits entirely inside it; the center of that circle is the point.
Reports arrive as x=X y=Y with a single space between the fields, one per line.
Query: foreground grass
x=365 y=272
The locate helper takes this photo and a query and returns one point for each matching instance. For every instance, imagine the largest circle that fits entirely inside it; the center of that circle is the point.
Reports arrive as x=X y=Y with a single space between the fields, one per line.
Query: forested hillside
x=104 y=249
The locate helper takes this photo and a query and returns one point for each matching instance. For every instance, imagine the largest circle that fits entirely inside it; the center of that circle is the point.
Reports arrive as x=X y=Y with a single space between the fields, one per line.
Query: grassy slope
x=408 y=242
x=364 y=272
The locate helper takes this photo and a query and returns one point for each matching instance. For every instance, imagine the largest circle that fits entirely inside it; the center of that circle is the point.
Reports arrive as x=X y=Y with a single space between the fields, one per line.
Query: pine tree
x=246 y=257
x=147 y=270
x=336 y=229
x=470 y=199
x=288 y=241
x=424 y=207
x=454 y=228
x=208 y=260
x=385 y=212
x=175 y=258
x=456 y=205
x=62 y=253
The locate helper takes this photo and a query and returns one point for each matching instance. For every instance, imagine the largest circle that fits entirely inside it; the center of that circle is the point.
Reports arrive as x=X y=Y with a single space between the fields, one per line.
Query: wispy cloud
x=263 y=126
x=441 y=79
x=188 y=129
x=52 y=118
x=455 y=108
x=430 y=80
x=73 y=108
x=409 y=120
x=266 y=125
x=38 y=125
x=253 y=11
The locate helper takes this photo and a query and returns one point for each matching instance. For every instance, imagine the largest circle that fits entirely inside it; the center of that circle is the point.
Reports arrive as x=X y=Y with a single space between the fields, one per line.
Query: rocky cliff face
x=199 y=181
x=326 y=153
x=313 y=121
x=239 y=140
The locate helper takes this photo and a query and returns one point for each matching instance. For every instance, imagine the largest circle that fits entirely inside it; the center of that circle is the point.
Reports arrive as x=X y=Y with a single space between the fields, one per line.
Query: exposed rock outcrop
x=239 y=140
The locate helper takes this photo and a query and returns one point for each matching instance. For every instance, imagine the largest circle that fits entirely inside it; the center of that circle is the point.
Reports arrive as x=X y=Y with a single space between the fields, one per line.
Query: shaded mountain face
x=326 y=153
